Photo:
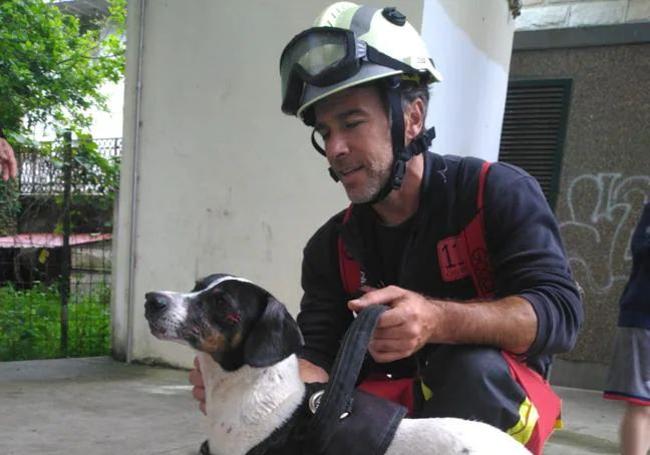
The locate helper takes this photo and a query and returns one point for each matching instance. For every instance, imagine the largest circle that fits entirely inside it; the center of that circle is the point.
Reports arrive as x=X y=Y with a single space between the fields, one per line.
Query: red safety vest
x=471 y=246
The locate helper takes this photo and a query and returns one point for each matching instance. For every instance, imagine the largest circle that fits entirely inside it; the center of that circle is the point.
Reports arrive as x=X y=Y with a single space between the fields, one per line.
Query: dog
x=246 y=342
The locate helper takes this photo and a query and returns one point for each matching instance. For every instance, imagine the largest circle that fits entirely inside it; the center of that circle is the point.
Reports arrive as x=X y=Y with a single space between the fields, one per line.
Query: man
x=8 y=165
x=360 y=77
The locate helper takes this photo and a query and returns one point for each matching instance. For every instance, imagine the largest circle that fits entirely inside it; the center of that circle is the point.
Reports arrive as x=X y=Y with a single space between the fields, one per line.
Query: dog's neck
x=245 y=406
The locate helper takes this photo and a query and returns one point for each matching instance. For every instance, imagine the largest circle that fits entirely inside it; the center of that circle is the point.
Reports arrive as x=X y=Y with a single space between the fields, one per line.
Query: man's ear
x=413 y=120
x=274 y=337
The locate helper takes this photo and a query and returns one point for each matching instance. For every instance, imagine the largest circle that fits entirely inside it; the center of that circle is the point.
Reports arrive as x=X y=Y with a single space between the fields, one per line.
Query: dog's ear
x=275 y=336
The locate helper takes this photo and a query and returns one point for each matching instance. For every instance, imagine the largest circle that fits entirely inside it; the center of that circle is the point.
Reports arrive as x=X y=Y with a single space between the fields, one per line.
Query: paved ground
x=97 y=406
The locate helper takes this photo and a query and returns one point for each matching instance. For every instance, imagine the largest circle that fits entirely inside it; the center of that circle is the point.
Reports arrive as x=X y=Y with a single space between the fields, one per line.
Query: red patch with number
x=451 y=258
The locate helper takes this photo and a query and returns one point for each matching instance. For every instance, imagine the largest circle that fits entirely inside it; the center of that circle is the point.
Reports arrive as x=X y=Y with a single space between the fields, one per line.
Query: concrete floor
x=97 y=406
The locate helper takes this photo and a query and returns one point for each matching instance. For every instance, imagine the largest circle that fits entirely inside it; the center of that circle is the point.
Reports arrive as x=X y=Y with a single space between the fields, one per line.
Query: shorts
x=629 y=371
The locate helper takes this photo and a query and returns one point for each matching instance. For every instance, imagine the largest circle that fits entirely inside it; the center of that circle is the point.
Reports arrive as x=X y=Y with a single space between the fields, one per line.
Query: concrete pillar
x=471 y=43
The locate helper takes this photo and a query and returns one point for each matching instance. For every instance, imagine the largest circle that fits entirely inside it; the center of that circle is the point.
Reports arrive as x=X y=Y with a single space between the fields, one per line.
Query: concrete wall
x=214 y=177
x=471 y=44
x=543 y=14
x=604 y=182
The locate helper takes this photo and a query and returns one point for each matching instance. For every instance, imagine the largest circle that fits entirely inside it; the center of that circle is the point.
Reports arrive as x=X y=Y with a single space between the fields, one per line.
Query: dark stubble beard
x=377 y=178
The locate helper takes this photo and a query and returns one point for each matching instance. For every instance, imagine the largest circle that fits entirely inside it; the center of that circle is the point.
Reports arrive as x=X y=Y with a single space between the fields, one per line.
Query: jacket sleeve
x=529 y=259
x=324 y=316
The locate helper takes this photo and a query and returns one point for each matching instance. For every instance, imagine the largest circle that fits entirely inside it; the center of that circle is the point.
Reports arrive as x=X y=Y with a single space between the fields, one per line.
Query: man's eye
x=351 y=125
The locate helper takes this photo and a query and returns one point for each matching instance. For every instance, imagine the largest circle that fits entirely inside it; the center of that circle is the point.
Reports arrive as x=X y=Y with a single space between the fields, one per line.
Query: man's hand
x=411 y=322
x=196 y=379
x=8 y=165
x=509 y=323
x=311 y=373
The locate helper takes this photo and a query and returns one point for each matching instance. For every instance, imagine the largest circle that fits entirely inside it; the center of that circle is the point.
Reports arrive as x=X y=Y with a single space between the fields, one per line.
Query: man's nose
x=335 y=146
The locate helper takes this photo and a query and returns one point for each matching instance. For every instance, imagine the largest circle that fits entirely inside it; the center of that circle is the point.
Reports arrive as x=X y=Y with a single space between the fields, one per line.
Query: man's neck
x=401 y=204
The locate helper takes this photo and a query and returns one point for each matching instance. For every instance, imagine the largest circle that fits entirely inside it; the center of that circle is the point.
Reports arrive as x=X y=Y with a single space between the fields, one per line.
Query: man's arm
x=528 y=258
x=8 y=165
x=414 y=320
x=323 y=316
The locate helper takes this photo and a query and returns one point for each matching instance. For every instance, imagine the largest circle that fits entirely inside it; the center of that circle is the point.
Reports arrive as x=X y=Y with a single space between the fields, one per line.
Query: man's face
x=356 y=133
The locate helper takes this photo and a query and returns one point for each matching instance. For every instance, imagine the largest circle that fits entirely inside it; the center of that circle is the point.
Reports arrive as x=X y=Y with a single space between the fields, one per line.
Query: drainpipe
x=134 y=188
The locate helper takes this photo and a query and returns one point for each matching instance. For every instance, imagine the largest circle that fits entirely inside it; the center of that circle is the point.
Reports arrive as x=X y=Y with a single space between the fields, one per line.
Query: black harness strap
x=336 y=401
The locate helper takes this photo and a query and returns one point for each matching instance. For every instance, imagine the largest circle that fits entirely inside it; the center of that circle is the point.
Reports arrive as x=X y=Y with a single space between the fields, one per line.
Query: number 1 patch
x=451 y=258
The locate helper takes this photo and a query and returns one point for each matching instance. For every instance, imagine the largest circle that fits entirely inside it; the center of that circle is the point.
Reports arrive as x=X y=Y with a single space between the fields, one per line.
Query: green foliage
x=9 y=206
x=30 y=323
x=51 y=68
x=91 y=171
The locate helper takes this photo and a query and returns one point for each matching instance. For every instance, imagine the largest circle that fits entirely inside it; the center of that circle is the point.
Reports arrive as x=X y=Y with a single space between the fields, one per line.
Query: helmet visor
x=318 y=56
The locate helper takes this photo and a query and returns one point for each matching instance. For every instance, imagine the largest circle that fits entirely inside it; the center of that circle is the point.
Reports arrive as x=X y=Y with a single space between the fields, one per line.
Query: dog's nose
x=156 y=301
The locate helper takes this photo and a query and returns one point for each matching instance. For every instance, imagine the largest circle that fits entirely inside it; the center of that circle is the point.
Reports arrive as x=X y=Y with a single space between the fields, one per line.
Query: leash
x=336 y=401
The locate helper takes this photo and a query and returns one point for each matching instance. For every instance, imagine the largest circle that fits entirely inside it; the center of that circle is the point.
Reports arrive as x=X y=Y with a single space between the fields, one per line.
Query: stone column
x=471 y=43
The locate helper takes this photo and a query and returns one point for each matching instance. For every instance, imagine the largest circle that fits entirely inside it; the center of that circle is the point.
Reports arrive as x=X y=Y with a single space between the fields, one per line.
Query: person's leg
x=629 y=380
x=471 y=382
x=635 y=430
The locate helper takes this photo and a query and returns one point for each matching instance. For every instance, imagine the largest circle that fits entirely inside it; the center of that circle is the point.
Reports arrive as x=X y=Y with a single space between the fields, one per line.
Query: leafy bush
x=30 y=323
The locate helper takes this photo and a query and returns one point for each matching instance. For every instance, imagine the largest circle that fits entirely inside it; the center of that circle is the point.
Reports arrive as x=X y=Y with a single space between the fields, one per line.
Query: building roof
x=49 y=240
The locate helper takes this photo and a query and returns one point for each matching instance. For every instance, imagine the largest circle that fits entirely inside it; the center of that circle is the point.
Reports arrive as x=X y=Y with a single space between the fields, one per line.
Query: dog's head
x=235 y=321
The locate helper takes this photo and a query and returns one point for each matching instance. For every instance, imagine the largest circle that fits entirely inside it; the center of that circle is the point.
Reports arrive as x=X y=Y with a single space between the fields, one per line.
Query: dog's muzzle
x=164 y=314
x=155 y=304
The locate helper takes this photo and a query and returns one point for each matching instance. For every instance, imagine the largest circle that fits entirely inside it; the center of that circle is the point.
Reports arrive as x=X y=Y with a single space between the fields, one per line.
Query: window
x=534 y=126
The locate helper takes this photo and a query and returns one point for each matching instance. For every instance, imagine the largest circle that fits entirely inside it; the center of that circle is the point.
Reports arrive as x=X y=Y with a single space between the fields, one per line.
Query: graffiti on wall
x=603 y=211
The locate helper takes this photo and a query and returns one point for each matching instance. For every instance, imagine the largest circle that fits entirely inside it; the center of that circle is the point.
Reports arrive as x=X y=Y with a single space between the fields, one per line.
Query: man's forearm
x=509 y=323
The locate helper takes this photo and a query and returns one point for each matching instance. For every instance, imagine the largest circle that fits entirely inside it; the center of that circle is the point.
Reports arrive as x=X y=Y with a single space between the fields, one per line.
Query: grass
x=30 y=323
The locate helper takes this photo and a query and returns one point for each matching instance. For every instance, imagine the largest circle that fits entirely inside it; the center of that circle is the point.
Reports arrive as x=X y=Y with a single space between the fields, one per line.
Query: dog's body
x=246 y=341
x=245 y=406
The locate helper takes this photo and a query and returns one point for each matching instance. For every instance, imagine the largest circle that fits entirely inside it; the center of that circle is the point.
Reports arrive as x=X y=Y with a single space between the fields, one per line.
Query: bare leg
x=635 y=430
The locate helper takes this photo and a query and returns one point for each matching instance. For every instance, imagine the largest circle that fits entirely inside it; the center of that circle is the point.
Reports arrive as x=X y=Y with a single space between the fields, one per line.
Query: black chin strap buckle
x=399 y=169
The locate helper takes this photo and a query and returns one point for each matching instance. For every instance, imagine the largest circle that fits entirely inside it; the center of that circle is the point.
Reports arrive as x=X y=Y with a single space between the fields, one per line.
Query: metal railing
x=55 y=287
x=39 y=175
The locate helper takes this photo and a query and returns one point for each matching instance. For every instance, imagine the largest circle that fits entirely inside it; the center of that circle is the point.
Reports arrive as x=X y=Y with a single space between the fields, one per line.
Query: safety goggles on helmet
x=323 y=56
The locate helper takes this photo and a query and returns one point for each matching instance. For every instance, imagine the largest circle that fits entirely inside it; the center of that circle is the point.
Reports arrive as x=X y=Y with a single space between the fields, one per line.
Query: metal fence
x=54 y=285
x=32 y=325
x=38 y=174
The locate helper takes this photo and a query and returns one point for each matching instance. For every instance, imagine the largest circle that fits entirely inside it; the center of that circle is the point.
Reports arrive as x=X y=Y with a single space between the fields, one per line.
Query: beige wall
x=214 y=177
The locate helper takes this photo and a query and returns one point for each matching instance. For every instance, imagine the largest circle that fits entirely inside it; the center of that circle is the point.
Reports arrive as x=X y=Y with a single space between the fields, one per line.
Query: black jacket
x=522 y=237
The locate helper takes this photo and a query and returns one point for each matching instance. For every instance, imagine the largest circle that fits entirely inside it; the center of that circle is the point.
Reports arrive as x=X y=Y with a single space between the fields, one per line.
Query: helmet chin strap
x=401 y=153
x=396 y=178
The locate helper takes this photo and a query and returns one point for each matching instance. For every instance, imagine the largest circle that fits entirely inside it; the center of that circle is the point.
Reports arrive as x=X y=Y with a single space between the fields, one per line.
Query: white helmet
x=350 y=45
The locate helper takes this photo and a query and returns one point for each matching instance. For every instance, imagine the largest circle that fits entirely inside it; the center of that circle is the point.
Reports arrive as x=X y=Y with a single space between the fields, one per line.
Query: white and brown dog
x=247 y=342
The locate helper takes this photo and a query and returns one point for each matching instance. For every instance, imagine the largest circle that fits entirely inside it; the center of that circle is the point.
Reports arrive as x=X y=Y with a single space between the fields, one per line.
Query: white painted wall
x=471 y=44
x=214 y=177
